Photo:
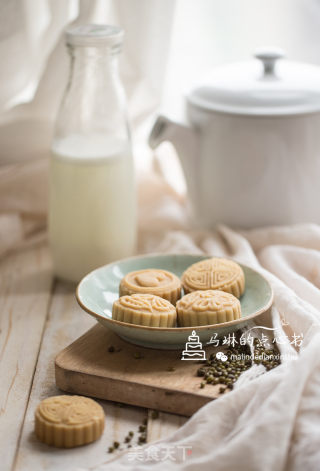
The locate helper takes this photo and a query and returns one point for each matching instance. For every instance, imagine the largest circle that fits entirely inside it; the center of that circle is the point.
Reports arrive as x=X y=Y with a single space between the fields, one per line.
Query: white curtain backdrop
x=33 y=75
x=168 y=45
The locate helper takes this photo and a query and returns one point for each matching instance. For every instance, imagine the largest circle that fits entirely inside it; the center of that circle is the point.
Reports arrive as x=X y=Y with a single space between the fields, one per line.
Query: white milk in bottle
x=92 y=217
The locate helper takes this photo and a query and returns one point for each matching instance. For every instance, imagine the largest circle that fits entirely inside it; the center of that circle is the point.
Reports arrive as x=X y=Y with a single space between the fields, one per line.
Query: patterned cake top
x=151 y=278
x=214 y=274
x=207 y=301
x=148 y=303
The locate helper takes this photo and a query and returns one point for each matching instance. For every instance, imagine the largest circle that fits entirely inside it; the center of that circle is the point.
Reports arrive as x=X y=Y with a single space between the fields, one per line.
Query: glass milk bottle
x=92 y=209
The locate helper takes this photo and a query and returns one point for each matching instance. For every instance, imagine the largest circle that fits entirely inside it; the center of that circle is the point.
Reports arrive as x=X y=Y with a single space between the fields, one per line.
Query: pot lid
x=264 y=86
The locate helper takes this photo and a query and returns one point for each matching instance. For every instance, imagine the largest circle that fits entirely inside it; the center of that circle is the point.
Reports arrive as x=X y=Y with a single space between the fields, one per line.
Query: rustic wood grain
x=66 y=321
x=163 y=425
x=35 y=324
x=25 y=287
x=159 y=379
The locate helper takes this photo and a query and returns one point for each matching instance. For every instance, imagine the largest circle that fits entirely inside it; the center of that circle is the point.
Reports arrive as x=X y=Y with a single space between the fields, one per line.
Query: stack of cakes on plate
x=152 y=297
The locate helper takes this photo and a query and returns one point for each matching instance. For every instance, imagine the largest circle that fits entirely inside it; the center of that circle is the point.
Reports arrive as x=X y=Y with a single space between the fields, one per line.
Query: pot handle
x=269 y=57
x=159 y=131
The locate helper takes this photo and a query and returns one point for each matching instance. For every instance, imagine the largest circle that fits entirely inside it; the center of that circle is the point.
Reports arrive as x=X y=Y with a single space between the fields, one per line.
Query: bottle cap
x=94 y=35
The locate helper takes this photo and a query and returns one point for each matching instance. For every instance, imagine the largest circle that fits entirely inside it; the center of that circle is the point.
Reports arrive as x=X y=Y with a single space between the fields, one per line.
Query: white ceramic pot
x=250 y=150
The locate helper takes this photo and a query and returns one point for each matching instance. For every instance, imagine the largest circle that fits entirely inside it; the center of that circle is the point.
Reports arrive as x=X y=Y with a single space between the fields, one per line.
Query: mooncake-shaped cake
x=144 y=309
x=214 y=273
x=152 y=281
x=68 y=421
x=207 y=308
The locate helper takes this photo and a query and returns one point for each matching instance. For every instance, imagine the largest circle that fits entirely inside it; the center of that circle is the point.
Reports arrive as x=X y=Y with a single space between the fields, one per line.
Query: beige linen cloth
x=271 y=422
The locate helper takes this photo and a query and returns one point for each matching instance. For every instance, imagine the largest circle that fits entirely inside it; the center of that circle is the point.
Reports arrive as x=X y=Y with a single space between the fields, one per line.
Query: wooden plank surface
x=66 y=321
x=25 y=290
x=163 y=425
x=157 y=378
x=35 y=324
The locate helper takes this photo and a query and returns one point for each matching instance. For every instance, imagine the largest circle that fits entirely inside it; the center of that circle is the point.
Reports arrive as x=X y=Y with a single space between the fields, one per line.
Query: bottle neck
x=94 y=100
x=96 y=64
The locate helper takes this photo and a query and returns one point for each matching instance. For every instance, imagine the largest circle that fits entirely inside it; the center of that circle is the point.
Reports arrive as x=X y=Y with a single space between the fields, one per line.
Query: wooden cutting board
x=87 y=367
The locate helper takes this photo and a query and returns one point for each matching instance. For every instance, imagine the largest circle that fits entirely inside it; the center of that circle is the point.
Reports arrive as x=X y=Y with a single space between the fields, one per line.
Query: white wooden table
x=38 y=317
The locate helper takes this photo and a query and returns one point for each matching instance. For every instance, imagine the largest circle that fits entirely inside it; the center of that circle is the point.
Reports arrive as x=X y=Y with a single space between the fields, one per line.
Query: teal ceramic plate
x=99 y=289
